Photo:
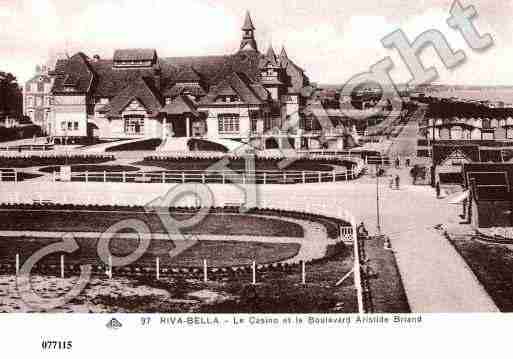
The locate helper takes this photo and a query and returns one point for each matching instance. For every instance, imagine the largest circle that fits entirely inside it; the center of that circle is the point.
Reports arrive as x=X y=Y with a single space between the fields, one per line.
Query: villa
x=247 y=96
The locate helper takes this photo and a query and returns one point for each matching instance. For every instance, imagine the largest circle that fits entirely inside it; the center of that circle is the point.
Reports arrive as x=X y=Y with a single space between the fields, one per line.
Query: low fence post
x=86 y=176
x=1 y=176
x=224 y=177
x=110 y=267
x=253 y=267
x=15 y=176
x=157 y=267
x=320 y=176
x=334 y=176
x=304 y=176
x=62 y=266
x=163 y=177
x=104 y=176
x=265 y=177
x=183 y=177
x=203 y=177
x=124 y=176
x=205 y=271
x=303 y=272
x=17 y=264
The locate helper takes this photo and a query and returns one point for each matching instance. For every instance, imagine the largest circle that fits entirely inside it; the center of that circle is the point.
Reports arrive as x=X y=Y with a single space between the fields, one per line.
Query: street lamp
x=377 y=200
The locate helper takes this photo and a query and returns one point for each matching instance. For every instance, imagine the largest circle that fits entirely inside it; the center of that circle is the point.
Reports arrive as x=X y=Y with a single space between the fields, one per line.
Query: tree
x=11 y=97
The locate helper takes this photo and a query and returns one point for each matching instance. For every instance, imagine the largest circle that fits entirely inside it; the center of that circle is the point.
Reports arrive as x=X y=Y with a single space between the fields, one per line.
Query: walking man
x=397 y=180
x=437 y=189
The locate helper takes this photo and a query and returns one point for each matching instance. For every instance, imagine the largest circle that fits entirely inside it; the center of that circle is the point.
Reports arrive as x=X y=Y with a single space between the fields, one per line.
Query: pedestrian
x=407 y=161
x=437 y=189
x=391 y=183
x=397 y=162
x=361 y=231
x=397 y=180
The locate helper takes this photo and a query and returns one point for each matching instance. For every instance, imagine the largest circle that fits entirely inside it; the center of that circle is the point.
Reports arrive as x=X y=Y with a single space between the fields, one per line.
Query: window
x=134 y=125
x=63 y=125
x=70 y=126
x=75 y=126
x=228 y=123
x=254 y=125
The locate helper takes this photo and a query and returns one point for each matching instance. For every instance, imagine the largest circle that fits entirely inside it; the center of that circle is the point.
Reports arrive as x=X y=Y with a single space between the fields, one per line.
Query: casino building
x=138 y=94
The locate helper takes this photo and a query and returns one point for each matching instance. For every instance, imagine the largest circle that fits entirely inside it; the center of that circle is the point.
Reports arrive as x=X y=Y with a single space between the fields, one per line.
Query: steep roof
x=211 y=70
x=237 y=84
x=269 y=60
x=284 y=58
x=442 y=152
x=141 y=90
x=181 y=105
x=248 y=23
x=77 y=73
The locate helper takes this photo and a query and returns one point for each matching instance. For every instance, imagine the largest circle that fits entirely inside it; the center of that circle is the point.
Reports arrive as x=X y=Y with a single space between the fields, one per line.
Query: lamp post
x=377 y=200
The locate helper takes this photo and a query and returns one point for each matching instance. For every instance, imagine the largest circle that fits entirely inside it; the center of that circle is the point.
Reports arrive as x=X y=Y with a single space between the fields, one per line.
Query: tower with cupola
x=248 y=37
x=271 y=73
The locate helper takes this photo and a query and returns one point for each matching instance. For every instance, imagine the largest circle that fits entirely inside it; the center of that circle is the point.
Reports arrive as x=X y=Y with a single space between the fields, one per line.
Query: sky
x=333 y=40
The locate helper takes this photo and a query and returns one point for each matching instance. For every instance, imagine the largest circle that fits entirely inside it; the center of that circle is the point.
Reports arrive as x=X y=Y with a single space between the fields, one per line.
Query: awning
x=459 y=197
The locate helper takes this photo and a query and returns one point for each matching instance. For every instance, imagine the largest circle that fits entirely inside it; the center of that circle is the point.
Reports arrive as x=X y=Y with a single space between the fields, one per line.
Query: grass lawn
x=99 y=221
x=275 y=292
x=238 y=165
x=92 y=168
x=493 y=266
x=144 y=145
x=8 y=175
x=217 y=253
x=387 y=291
x=38 y=161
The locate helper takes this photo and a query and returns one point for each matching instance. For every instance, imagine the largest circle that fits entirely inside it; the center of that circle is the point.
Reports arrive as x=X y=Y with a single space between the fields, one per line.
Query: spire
x=248 y=38
x=248 y=23
x=283 y=57
x=271 y=56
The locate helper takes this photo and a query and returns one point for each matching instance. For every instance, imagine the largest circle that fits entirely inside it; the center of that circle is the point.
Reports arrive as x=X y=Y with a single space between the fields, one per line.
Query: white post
x=203 y=177
x=183 y=177
x=254 y=273
x=110 y=267
x=224 y=177
x=303 y=272
x=304 y=177
x=104 y=176
x=265 y=177
x=16 y=176
x=124 y=176
x=157 y=265
x=86 y=176
x=54 y=176
x=320 y=176
x=334 y=177
x=205 y=271
x=17 y=264
x=62 y=266
x=163 y=177
x=357 y=273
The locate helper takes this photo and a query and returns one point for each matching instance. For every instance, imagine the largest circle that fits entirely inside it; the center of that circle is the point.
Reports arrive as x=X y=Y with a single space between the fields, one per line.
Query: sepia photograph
x=201 y=166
